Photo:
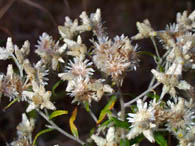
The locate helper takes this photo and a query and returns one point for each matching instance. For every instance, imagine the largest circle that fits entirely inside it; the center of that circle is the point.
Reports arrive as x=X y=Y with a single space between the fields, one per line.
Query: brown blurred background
x=27 y=19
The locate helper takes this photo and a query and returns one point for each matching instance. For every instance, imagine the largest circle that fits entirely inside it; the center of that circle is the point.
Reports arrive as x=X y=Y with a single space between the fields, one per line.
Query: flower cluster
x=91 y=74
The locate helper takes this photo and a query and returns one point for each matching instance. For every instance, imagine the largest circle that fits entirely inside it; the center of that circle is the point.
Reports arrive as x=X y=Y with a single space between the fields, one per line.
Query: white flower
x=170 y=80
x=115 y=57
x=38 y=98
x=145 y=30
x=49 y=51
x=26 y=127
x=142 y=121
x=5 y=53
x=180 y=115
x=76 y=48
x=108 y=141
x=84 y=89
x=77 y=68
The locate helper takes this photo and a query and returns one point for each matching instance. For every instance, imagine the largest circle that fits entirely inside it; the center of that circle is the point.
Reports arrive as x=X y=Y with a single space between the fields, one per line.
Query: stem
x=56 y=127
x=93 y=116
x=141 y=95
x=18 y=65
x=122 y=116
x=156 y=48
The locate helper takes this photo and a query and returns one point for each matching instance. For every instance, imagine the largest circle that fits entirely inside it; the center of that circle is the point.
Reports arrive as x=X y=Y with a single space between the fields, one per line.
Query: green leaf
x=108 y=107
x=133 y=108
x=106 y=123
x=124 y=142
x=73 y=127
x=92 y=131
x=146 y=53
x=55 y=86
x=10 y=104
x=153 y=96
x=159 y=138
x=137 y=139
x=57 y=113
x=119 y=123
x=86 y=105
x=40 y=133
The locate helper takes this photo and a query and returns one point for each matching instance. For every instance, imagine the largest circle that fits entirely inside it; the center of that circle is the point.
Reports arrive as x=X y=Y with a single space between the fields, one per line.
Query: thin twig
x=6 y=7
x=141 y=95
x=18 y=65
x=93 y=116
x=156 y=48
x=56 y=127
x=122 y=116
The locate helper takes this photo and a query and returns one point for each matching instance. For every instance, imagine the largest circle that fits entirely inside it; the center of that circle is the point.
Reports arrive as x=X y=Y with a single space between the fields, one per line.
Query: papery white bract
x=142 y=121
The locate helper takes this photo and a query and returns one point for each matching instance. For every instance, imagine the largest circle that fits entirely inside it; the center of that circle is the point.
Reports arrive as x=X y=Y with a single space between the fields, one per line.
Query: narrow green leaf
x=40 y=133
x=73 y=127
x=146 y=53
x=55 y=86
x=10 y=104
x=57 y=113
x=119 y=123
x=137 y=139
x=124 y=142
x=86 y=105
x=108 y=107
x=159 y=138
x=106 y=123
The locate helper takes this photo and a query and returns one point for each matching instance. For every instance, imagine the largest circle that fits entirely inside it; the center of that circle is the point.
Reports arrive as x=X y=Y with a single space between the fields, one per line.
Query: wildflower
x=76 y=48
x=108 y=141
x=24 y=132
x=180 y=115
x=49 y=51
x=115 y=57
x=142 y=121
x=23 y=52
x=72 y=28
x=5 y=53
x=26 y=127
x=37 y=73
x=145 y=30
x=170 y=80
x=11 y=84
x=86 y=90
x=77 y=68
x=38 y=98
x=186 y=22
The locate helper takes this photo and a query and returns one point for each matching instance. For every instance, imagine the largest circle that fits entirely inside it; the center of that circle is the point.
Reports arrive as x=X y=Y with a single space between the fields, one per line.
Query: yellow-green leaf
x=15 y=100
x=57 y=113
x=73 y=127
x=108 y=107
x=40 y=133
x=55 y=86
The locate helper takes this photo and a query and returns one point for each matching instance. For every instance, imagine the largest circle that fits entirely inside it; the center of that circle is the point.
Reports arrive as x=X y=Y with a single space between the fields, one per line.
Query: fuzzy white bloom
x=142 y=121
x=5 y=53
x=37 y=73
x=181 y=116
x=26 y=127
x=50 y=52
x=76 y=48
x=84 y=89
x=108 y=141
x=115 y=57
x=145 y=30
x=185 y=21
x=39 y=98
x=170 y=80
x=77 y=68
